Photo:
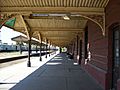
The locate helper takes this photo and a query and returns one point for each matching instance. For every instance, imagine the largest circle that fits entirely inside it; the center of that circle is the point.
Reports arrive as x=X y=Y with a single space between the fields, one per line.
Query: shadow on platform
x=60 y=73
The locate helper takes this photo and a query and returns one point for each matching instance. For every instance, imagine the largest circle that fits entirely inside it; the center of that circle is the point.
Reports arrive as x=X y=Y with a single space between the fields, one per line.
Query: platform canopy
x=58 y=21
x=24 y=39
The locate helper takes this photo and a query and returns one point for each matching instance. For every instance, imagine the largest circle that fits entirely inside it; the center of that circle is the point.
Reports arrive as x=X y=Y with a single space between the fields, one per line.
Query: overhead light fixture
x=40 y=15
x=75 y=15
x=66 y=18
x=57 y=14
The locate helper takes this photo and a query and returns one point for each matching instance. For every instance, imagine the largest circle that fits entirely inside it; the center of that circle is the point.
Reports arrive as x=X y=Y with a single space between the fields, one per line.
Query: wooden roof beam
x=52 y=29
x=62 y=34
x=57 y=42
x=63 y=41
x=65 y=36
x=26 y=27
x=81 y=10
x=59 y=38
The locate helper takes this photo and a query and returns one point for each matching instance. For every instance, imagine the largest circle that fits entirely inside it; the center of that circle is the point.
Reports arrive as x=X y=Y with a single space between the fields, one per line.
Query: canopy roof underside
x=46 y=18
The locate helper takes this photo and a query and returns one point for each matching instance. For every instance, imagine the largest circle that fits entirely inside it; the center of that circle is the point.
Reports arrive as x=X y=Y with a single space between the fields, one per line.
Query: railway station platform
x=14 y=71
x=8 y=57
x=56 y=73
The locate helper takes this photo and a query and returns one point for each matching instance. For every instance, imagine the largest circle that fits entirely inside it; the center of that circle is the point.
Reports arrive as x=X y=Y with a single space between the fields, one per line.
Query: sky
x=6 y=34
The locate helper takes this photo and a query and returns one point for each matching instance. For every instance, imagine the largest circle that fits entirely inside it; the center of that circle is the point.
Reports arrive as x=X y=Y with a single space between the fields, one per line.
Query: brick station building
x=99 y=55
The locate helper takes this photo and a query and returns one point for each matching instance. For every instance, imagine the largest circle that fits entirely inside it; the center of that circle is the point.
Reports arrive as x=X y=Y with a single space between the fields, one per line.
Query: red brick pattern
x=100 y=64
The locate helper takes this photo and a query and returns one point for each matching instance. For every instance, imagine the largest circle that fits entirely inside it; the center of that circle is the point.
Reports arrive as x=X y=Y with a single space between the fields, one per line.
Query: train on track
x=7 y=48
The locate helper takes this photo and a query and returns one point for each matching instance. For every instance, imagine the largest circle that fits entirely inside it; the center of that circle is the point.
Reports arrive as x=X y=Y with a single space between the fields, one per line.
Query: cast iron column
x=40 y=52
x=77 y=45
x=73 y=50
x=29 y=51
x=60 y=50
x=80 y=54
x=46 y=49
x=49 y=50
x=55 y=49
x=20 y=47
x=36 y=49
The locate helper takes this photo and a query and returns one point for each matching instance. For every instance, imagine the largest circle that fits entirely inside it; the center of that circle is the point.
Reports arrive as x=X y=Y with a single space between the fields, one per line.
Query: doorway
x=116 y=56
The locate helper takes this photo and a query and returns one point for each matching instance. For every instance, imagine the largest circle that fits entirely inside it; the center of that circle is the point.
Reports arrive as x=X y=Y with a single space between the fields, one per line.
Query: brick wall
x=100 y=64
x=97 y=63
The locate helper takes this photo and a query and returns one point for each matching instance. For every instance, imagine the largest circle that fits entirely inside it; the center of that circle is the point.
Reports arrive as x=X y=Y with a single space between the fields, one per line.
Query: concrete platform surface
x=60 y=73
x=13 y=72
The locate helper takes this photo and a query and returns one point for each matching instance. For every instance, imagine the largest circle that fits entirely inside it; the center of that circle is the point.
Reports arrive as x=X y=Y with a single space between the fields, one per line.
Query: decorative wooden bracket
x=49 y=42
x=46 y=40
x=98 y=19
x=5 y=17
x=27 y=28
x=40 y=37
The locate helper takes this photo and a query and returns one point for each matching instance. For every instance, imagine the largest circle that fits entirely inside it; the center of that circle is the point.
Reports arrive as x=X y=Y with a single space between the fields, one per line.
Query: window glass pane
x=116 y=34
x=116 y=62
x=116 y=48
